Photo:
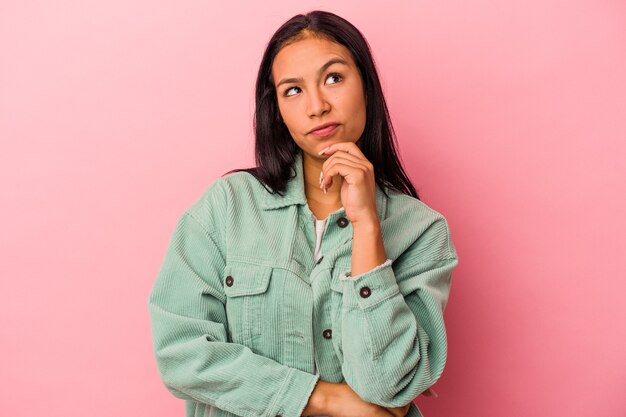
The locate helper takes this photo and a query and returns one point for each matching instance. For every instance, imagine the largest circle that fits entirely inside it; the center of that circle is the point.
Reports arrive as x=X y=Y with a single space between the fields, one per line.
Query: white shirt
x=319 y=230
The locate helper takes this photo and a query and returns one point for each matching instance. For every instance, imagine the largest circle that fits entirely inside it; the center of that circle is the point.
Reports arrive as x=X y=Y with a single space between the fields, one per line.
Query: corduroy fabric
x=239 y=307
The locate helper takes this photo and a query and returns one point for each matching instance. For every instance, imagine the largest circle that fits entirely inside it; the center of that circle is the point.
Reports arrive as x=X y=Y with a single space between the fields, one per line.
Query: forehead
x=307 y=56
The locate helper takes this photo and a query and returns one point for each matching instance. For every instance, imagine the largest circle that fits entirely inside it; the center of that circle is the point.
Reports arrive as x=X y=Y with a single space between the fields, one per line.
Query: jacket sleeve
x=189 y=330
x=393 y=335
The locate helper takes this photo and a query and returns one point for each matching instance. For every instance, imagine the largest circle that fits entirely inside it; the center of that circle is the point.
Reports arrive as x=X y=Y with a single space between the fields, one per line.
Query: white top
x=319 y=229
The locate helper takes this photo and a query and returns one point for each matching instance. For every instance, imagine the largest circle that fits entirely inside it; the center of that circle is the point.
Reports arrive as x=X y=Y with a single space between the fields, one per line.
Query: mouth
x=324 y=130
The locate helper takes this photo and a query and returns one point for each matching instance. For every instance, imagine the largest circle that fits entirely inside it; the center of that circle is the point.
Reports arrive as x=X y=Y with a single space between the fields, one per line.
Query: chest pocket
x=246 y=288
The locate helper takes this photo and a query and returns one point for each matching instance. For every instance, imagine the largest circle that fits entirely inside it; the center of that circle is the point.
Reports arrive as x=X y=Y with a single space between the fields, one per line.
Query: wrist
x=368 y=225
x=319 y=399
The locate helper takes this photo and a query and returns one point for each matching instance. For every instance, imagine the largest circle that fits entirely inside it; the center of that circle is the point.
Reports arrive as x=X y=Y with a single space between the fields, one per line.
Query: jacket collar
x=294 y=194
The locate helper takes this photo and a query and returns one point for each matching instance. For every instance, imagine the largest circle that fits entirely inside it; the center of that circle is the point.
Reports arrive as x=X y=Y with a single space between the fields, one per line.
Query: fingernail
x=324 y=190
x=323 y=150
x=321 y=177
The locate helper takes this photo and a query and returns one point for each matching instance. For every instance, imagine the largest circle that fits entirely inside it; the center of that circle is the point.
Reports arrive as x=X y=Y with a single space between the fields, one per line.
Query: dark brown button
x=365 y=292
x=327 y=334
x=319 y=260
x=229 y=281
x=342 y=222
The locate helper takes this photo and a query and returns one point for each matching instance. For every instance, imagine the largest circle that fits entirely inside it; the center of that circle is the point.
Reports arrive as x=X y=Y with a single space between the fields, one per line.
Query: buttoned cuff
x=369 y=288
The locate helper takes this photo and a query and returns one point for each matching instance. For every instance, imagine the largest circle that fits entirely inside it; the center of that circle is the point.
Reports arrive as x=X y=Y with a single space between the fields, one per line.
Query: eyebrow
x=321 y=70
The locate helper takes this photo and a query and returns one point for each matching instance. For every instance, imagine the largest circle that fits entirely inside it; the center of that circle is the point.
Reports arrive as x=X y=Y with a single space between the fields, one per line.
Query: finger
x=350 y=171
x=345 y=155
x=398 y=411
x=343 y=159
x=349 y=147
x=403 y=410
x=430 y=393
x=395 y=412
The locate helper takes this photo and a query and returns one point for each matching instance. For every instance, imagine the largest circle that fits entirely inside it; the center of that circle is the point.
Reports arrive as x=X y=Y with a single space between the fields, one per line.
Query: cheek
x=359 y=117
x=357 y=100
x=291 y=121
x=287 y=113
x=358 y=108
x=281 y=109
x=284 y=115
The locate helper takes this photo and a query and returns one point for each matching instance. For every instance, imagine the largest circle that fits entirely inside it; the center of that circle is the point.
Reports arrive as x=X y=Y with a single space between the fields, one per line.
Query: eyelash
x=335 y=74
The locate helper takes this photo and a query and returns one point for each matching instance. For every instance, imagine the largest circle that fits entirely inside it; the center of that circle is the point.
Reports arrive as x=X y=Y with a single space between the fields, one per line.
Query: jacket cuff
x=294 y=394
x=369 y=288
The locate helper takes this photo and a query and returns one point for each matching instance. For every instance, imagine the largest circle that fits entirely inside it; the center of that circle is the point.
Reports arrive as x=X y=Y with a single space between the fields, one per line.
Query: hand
x=430 y=393
x=339 y=400
x=358 y=188
x=399 y=411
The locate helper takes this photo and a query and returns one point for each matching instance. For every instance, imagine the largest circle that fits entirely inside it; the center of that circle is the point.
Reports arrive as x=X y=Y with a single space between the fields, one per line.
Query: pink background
x=511 y=117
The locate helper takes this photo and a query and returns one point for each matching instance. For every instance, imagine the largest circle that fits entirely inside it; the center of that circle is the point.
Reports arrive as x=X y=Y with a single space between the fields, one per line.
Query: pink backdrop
x=511 y=117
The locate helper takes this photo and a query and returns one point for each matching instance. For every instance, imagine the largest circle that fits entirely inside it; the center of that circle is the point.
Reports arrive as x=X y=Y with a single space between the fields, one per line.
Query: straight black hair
x=275 y=149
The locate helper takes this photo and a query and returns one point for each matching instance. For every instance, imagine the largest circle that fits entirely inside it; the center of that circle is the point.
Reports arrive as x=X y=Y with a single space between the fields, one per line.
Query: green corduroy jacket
x=241 y=314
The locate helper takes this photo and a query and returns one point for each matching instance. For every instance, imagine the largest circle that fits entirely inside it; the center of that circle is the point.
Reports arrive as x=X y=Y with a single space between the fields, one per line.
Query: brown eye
x=288 y=90
x=334 y=74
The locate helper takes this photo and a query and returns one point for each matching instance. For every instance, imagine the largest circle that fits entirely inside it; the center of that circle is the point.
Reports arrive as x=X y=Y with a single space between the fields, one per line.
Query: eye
x=288 y=90
x=334 y=74
x=331 y=75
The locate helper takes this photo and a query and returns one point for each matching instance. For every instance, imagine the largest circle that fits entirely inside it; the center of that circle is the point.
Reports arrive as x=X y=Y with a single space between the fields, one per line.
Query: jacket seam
x=448 y=233
x=423 y=261
x=281 y=390
x=208 y=233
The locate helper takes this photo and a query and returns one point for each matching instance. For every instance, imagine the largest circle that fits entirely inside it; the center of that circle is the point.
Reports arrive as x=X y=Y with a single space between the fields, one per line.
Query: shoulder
x=400 y=204
x=412 y=223
x=233 y=191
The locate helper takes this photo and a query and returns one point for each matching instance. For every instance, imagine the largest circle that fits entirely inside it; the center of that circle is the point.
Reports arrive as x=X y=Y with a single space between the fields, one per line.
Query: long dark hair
x=275 y=149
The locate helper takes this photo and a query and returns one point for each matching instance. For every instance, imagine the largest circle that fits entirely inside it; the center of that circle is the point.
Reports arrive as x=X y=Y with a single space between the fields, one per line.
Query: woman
x=315 y=283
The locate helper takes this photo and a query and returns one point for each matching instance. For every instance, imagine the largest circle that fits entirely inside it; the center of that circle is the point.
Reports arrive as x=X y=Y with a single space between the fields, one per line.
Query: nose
x=317 y=103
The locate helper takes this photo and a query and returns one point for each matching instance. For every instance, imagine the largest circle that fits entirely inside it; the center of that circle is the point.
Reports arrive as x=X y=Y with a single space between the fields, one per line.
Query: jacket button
x=365 y=292
x=319 y=260
x=229 y=281
x=342 y=222
x=327 y=334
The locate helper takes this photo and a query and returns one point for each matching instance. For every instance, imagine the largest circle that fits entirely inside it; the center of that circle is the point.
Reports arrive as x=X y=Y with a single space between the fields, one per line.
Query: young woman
x=315 y=283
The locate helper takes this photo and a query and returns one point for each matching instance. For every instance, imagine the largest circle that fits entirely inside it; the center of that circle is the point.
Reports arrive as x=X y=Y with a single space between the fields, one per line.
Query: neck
x=312 y=167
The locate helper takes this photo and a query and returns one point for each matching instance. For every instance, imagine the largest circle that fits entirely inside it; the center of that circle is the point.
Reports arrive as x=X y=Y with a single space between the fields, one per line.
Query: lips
x=324 y=129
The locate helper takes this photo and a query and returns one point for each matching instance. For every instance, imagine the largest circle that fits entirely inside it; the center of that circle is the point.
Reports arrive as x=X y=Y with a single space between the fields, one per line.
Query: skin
x=317 y=99
x=308 y=99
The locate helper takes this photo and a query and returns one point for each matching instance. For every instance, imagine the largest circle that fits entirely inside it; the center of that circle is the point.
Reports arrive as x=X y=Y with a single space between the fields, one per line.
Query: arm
x=393 y=336
x=189 y=330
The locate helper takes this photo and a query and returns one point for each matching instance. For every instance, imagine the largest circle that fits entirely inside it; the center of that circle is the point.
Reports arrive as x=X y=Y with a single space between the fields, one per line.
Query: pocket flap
x=246 y=279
